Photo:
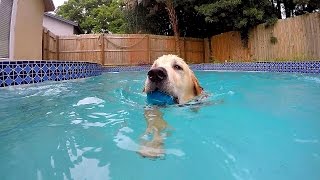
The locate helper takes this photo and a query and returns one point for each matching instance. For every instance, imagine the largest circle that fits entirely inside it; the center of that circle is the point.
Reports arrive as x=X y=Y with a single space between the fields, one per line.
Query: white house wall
x=57 y=27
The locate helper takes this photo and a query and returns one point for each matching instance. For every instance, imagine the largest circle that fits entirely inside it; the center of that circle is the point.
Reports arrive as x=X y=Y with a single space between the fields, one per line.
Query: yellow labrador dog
x=169 y=74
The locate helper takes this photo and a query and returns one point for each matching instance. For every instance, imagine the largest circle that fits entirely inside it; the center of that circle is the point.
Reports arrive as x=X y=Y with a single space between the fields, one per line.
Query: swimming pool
x=253 y=126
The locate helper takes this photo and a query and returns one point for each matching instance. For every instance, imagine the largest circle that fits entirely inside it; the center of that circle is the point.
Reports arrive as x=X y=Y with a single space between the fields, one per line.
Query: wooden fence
x=127 y=49
x=50 y=44
x=295 y=38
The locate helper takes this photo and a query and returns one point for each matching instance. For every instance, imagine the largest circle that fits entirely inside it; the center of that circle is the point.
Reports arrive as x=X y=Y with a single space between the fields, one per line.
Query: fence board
x=297 y=39
x=125 y=49
x=229 y=47
x=50 y=46
x=86 y=47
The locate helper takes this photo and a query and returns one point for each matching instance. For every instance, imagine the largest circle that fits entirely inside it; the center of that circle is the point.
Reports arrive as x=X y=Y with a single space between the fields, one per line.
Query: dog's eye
x=177 y=67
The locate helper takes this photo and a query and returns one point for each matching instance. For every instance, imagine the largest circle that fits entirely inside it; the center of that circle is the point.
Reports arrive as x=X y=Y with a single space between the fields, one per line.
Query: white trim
x=13 y=28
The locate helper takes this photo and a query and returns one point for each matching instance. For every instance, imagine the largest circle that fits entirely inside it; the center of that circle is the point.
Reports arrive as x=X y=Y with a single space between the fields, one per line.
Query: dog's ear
x=197 y=88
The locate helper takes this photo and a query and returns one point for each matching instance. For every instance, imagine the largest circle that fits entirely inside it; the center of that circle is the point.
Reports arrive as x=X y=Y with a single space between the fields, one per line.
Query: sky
x=58 y=2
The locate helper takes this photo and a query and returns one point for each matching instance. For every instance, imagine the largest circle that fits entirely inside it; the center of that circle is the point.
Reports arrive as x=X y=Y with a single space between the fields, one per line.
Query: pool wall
x=290 y=66
x=29 y=72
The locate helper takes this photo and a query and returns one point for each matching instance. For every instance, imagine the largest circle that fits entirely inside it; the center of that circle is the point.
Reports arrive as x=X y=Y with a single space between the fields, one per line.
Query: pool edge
x=18 y=72
x=287 y=66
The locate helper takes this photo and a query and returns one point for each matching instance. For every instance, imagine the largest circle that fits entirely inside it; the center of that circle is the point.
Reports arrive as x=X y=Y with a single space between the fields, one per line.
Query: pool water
x=252 y=126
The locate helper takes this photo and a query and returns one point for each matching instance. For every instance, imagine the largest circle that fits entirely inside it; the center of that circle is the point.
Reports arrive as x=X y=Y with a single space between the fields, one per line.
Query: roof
x=59 y=18
x=48 y=5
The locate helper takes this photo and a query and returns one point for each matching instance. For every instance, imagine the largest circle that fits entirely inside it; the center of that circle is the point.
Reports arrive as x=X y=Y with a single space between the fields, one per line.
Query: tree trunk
x=279 y=9
x=273 y=8
x=292 y=7
x=174 y=23
x=286 y=4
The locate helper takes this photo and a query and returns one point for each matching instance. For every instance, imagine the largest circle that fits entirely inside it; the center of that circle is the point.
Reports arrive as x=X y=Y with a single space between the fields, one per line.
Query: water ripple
x=89 y=100
x=312 y=141
x=125 y=142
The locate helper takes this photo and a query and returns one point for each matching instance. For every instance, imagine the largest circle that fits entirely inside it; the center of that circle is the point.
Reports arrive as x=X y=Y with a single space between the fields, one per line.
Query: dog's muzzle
x=157 y=74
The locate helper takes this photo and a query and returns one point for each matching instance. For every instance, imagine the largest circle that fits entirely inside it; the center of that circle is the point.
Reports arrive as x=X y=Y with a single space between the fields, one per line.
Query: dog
x=169 y=74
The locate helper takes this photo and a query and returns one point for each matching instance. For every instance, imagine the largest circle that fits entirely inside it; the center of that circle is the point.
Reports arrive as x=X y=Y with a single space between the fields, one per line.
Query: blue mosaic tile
x=36 y=68
x=52 y=67
x=37 y=78
x=67 y=76
x=18 y=80
x=7 y=69
x=45 y=68
x=60 y=67
x=45 y=78
x=294 y=67
x=8 y=81
x=27 y=68
x=18 y=69
x=28 y=79
x=27 y=72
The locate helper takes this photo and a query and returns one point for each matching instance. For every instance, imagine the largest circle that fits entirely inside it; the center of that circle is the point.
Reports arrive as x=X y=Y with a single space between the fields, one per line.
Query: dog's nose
x=157 y=74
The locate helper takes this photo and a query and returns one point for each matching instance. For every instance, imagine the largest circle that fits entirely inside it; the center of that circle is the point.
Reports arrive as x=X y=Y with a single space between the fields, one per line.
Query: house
x=60 y=26
x=21 y=28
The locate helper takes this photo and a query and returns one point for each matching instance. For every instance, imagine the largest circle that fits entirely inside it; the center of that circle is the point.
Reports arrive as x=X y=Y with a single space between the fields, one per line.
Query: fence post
x=46 y=44
x=206 y=50
x=57 y=47
x=148 y=48
x=102 y=49
x=43 y=39
x=184 y=49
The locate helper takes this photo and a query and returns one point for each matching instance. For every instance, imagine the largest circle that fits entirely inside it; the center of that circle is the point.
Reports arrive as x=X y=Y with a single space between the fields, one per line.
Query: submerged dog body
x=171 y=75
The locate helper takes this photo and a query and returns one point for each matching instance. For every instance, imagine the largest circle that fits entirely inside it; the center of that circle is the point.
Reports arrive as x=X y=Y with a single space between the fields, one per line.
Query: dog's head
x=170 y=74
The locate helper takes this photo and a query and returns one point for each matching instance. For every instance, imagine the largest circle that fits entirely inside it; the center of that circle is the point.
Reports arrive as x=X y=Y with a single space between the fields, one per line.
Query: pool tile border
x=29 y=72
x=289 y=66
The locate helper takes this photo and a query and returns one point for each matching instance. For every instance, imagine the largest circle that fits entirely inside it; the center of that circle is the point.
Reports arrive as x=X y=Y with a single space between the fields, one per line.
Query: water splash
x=89 y=100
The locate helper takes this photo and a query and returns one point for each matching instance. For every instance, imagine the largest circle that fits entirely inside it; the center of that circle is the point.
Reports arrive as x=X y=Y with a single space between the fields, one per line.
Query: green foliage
x=219 y=9
x=273 y=40
x=305 y=6
x=144 y=20
x=95 y=16
x=236 y=14
x=271 y=22
x=151 y=16
x=196 y=18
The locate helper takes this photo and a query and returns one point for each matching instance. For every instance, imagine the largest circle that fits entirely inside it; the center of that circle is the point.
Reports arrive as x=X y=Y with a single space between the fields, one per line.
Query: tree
x=295 y=7
x=240 y=15
x=95 y=16
x=155 y=5
x=174 y=23
x=299 y=7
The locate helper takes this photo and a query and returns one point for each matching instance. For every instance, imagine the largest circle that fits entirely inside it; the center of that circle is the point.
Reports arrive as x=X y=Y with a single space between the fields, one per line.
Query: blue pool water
x=253 y=126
